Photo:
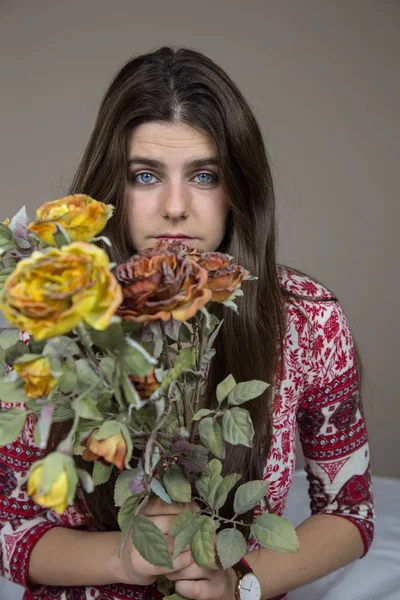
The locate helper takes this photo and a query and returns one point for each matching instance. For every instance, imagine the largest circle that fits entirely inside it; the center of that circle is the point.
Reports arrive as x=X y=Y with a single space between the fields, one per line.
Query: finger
x=163 y=522
x=196 y=590
x=193 y=571
x=182 y=562
x=156 y=506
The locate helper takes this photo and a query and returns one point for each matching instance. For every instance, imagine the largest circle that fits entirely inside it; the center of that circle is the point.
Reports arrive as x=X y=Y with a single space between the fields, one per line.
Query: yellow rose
x=56 y=498
x=112 y=449
x=6 y=222
x=37 y=375
x=79 y=215
x=50 y=293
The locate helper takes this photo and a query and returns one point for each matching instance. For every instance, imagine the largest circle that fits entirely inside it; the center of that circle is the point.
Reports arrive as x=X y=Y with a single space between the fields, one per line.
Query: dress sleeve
x=22 y=522
x=331 y=423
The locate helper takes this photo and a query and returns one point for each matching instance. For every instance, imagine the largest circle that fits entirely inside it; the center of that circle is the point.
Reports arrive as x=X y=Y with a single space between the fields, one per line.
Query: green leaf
x=62 y=347
x=231 y=547
x=184 y=333
x=62 y=412
x=275 y=533
x=232 y=305
x=225 y=387
x=237 y=427
x=121 y=490
x=182 y=521
x=44 y=424
x=183 y=528
x=129 y=445
x=160 y=491
x=248 y=494
x=221 y=493
x=86 y=408
x=53 y=465
x=126 y=512
x=211 y=436
x=213 y=321
x=150 y=542
x=16 y=351
x=247 y=390
x=203 y=412
x=69 y=467
x=86 y=376
x=101 y=473
x=9 y=337
x=13 y=391
x=214 y=335
x=177 y=485
x=5 y=233
x=202 y=545
x=26 y=357
x=68 y=378
x=111 y=338
x=130 y=393
x=107 y=429
x=86 y=481
x=207 y=484
x=175 y=596
x=108 y=366
x=11 y=424
x=136 y=359
x=186 y=359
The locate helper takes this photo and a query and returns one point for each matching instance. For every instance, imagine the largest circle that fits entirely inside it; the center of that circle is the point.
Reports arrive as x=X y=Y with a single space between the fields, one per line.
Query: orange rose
x=224 y=277
x=112 y=449
x=158 y=284
x=145 y=386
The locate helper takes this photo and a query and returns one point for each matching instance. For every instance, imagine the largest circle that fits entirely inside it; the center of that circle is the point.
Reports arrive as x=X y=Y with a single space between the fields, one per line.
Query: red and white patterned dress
x=318 y=395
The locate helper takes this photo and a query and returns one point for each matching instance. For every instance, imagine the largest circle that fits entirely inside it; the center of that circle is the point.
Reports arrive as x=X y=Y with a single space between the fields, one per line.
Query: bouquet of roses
x=122 y=353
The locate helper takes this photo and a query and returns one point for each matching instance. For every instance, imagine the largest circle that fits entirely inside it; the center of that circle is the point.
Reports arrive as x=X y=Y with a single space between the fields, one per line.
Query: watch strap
x=241 y=569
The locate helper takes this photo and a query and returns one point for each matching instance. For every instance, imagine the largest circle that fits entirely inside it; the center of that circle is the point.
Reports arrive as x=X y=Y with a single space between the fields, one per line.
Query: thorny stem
x=199 y=363
x=208 y=510
x=151 y=440
x=83 y=336
x=165 y=344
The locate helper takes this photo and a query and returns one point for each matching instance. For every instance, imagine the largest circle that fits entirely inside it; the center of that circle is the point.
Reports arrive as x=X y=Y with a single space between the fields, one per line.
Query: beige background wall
x=323 y=79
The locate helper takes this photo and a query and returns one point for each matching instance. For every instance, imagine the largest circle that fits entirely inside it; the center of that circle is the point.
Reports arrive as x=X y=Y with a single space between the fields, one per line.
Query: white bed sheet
x=375 y=577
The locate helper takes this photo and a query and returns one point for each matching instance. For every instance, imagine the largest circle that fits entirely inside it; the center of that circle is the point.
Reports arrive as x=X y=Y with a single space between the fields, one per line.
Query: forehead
x=170 y=138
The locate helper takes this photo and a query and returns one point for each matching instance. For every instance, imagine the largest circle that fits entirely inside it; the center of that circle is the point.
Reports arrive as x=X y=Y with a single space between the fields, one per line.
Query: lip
x=174 y=236
x=184 y=239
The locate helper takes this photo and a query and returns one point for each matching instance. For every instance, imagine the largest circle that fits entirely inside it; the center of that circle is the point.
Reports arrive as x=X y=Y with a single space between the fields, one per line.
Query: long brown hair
x=185 y=86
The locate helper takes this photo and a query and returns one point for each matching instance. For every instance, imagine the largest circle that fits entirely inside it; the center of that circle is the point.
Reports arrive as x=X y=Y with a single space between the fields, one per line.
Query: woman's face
x=173 y=188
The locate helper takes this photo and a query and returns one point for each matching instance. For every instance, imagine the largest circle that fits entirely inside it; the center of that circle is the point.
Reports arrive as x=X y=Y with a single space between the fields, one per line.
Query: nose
x=176 y=202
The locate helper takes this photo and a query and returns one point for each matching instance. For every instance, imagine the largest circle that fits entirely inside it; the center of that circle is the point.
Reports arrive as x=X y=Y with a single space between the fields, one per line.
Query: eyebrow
x=156 y=164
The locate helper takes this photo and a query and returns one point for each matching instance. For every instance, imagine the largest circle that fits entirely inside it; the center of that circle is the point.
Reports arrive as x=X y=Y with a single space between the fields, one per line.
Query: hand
x=197 y=583
x=133 y=568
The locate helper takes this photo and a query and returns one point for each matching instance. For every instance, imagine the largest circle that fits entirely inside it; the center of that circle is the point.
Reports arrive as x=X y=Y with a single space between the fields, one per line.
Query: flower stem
x=198 y=381
x=165 y=344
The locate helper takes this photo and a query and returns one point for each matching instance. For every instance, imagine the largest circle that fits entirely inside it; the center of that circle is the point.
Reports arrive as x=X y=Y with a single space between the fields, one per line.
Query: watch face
x=250 y=588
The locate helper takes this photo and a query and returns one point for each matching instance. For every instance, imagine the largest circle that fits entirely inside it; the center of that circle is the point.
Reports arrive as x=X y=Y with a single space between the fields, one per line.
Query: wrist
x=233 y=583
x=115 y=564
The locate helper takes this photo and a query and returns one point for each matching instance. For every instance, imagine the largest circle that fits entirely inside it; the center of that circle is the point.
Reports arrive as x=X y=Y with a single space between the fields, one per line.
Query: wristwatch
x=248 y=586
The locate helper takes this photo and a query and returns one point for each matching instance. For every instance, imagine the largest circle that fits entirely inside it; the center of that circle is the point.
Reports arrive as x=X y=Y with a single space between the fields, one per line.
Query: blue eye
x=145 y=178
x=204 y=176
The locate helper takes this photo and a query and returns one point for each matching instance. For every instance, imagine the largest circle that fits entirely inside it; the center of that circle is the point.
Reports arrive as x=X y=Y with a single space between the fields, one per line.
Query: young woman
x=178 y=152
